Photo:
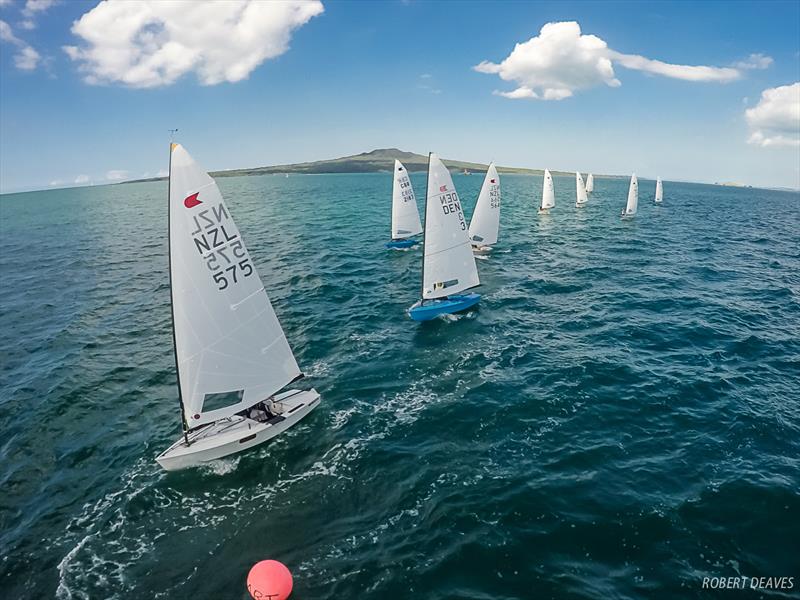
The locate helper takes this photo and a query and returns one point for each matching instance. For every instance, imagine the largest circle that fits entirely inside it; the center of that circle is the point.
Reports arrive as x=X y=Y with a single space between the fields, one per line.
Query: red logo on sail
x=192 y=201
x=443 y=188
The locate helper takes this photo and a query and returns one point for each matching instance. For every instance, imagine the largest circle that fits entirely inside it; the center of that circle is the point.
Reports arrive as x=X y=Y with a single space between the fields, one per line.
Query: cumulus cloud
x=26 y=57
x=36 y=6
x=152 y=43
x=561 y=61
x=775 y=120
x=116 y=175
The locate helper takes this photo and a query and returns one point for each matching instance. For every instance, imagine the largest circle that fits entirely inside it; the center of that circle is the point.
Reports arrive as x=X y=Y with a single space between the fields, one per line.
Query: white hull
x=234 y=434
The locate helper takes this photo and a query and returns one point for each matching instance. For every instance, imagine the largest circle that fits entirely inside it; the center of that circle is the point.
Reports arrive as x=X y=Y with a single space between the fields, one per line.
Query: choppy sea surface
x=620 y=418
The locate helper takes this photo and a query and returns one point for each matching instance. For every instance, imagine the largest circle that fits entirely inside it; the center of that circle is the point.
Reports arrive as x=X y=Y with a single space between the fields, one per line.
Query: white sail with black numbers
x=580 y=190
x=231 y=350
x=548 y=193
x=485 y=224
x=448 y=265
x=405 y=216
x=633 y=197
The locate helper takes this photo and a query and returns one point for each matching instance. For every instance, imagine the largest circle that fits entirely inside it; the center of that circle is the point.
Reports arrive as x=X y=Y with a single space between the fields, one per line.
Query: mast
x=171 y=297
x=424 y=230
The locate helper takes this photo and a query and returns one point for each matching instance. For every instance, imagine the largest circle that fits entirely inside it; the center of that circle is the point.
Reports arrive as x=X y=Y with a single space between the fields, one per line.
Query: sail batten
x=227 y=337
x=448 y=263
x=485 y=224
x=405 y=216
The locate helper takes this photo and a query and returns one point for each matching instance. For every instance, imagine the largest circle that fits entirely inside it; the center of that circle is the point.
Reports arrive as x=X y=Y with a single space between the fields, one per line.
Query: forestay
x=227 y=337
x=448 y=265
x=580 y=189
x=405 y=216
x=548 y=194
x=485 y=224
x=659 y=190
x=633 y=197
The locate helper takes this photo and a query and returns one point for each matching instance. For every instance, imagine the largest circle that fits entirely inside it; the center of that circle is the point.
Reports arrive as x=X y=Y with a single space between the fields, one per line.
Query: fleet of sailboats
x=405 y=216
x=448 y=266
x=231 y=354
x=485 y=224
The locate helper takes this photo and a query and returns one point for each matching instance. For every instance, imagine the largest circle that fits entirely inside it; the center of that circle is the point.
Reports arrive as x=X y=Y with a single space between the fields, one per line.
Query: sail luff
x=633 y=197
x=548 y=193
x=580 y=190
x=448 y=263
x=230 y=347
x=485 y=223
x=405 y=216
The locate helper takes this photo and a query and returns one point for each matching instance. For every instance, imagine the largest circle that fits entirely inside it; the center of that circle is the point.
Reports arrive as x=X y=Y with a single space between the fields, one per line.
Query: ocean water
x=620 y=418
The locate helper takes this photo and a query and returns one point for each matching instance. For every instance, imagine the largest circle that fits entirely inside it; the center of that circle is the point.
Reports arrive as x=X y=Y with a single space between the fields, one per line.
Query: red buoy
x=269 y=580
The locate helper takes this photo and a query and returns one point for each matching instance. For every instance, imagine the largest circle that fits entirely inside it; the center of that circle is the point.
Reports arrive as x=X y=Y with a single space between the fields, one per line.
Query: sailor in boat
x=262 y=412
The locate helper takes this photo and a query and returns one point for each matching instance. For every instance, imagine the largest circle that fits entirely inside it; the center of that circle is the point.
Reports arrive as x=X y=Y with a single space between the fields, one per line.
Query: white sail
x=659 y=190
x=633 y=197
x=485 y=224
x=548 y=194
x=590 y=183
x=405 y=216
x=231 y=350
x=580 y=190
x=448 y=266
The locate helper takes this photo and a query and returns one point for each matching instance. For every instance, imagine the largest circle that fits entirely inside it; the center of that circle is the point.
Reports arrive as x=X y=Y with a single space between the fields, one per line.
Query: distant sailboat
x=548 y=194
x=448 y=266
x=581 y=197
x=231 y=355
x=659 y=191
x=405 y=216
x=633 y=198
x=485 y=224
x=589 y=183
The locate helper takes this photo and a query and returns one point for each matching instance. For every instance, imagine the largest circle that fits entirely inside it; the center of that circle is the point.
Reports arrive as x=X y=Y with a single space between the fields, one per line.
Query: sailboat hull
x=443 y=306
x=235 y=434
x=401 y=244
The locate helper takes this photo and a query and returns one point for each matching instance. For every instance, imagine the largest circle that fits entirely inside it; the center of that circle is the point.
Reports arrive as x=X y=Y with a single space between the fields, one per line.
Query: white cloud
x=26 y=57
x=152 y=43
x=754 y=61
x=81 y=179
x=27 y=24
x=561 y=61
x=162 y=173
x=4 y=3
x=36 y=6
x=116 y=175
x=775 y=120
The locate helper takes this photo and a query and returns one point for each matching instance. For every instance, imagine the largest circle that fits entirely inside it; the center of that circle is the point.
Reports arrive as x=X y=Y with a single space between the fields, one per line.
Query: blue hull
x=446 y=306
x=402 y=244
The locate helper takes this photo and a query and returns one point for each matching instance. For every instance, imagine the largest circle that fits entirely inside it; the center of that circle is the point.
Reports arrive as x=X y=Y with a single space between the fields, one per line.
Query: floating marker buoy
x=269 y=580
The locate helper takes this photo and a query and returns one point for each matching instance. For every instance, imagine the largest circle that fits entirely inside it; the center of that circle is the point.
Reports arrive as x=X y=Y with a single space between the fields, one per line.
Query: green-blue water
x=619 y=419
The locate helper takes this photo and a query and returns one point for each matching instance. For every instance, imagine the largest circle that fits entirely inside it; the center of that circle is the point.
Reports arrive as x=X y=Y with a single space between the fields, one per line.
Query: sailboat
x=633 y=198
x=485 y=223
x=659 y=191
x=231 y=354
x=448 y=266
x=548 y=194
x=581 y=197
x=589 y=183
x=405 y=216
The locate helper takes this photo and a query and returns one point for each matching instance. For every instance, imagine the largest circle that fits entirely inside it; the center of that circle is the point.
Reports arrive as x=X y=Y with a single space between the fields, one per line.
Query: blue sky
x=365 y=75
